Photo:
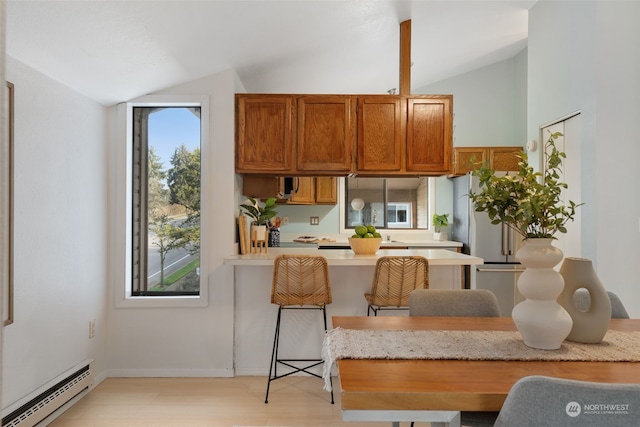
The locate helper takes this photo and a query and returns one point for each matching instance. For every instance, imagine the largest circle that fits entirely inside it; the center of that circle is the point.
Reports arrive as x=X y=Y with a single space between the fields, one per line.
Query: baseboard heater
x=56 y=394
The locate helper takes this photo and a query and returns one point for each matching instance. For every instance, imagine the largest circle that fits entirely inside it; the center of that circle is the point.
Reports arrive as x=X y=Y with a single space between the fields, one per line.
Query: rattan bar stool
x=300 y=282
x=394 y=279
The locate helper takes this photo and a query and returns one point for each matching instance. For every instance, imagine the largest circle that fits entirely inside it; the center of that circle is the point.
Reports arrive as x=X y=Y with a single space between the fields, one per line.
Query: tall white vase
x=542 y=322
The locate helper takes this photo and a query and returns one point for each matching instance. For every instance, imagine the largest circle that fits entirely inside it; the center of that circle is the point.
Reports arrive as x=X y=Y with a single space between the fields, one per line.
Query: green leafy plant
x=440 y=221
x=261 y=214
x=529 y=202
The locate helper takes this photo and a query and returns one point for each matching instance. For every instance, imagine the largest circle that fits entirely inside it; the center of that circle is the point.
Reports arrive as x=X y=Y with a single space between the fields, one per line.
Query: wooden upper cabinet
x=429 y=135
x=337 y=135
x=464 y=158
x=303 y=191
x=381 y=134
x=306 y=190
x=326 y=190
x=504 y=158
x=499 y=158
x=325 y=134
x=264 y=133
x=404 y=135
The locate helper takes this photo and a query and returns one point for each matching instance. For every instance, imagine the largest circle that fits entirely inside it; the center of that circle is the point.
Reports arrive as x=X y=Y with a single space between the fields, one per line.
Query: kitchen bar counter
x=346 y=257
x=351 y=276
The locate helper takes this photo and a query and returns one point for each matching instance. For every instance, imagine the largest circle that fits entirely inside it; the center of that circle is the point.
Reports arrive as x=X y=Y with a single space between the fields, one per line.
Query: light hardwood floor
x=207 y=402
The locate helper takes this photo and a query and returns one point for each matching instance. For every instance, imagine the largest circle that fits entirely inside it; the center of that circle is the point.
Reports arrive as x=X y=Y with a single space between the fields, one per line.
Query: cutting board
x=312 y=239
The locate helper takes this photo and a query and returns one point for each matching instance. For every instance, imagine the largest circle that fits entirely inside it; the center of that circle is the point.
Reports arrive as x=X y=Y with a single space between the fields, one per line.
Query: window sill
x=162 y=302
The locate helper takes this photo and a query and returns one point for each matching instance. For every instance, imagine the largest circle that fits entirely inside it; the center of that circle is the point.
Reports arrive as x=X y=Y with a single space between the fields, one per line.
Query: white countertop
x=412 y=244
x=346 y=257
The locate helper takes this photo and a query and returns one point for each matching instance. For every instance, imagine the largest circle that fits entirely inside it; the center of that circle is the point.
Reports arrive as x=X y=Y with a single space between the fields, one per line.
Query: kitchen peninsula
x=351 y=276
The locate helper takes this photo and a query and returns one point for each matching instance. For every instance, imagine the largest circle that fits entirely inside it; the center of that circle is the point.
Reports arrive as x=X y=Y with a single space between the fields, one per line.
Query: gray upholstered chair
x=582 y=301
x=545 y=401
x=453 y=302
x=463 y=303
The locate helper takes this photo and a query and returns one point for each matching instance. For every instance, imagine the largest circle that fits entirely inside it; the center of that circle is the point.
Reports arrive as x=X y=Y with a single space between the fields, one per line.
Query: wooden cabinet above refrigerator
x=499 y=158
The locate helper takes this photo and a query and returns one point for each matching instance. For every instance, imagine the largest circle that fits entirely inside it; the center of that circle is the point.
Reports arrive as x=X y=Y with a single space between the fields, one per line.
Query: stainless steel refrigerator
x=496 y=244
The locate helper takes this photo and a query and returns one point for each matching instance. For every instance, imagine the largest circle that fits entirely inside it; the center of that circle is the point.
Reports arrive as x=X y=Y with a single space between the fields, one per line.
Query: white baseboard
x=170 y=373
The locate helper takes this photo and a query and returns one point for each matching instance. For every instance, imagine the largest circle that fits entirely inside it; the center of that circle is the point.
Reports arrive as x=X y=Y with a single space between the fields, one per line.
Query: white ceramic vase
x=258 y=232
x=439 y=236
x=591 y=324
x=540 y=319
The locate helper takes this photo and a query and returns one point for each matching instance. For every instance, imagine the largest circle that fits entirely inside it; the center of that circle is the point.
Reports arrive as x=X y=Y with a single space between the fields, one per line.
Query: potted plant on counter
x=530 y=203
x=261 y=216
x=440 y=221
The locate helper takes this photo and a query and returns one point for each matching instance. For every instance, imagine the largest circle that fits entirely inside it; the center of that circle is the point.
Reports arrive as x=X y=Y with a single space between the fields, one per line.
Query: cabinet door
x=325 y=134
x=429 y=134
x=326 y=190
x=464 y=158
x=381 y=134
x=303 y=191
x=261 y=186
x=264 y=133
x=504 y=158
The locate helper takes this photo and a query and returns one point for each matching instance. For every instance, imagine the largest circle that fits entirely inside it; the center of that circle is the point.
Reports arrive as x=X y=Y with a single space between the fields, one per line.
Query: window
x=399 y=215
x=165 y=208
x=397 y=203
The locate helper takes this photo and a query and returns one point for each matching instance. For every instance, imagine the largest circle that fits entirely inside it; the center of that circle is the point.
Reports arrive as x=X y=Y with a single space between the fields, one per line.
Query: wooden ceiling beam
x=405 y=57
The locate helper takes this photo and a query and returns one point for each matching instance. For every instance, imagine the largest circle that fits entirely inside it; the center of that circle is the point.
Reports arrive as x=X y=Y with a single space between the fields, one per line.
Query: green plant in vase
x=527 y=201
x=531 y=203
x=261 y=214
x=438 y=222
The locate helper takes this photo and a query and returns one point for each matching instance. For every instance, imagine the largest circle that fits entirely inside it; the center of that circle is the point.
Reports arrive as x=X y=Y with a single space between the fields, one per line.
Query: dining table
x=376 y=387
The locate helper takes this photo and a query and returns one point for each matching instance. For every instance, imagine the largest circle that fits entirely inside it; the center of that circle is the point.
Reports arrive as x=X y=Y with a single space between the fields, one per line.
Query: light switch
x=314 y=220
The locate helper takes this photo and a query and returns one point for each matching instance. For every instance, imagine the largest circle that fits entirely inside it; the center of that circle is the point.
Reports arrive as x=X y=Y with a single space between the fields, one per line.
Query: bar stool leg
x=273 y=368
x=274 y=355
x=324 y=315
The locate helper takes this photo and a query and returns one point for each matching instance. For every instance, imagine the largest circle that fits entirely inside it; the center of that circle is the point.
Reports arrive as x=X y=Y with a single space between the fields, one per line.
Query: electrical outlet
x=314 y=220
x=92 y=328
x=285 y=220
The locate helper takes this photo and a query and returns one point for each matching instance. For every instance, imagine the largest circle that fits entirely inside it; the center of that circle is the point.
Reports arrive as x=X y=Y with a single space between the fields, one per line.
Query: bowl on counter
x=365 y=246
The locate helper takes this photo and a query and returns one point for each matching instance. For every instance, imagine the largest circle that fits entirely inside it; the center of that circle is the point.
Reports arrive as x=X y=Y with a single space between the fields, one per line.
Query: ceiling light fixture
x=357 y=204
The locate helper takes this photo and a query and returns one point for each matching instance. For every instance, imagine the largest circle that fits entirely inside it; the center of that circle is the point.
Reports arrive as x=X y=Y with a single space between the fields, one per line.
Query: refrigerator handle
x=506 y=249
x=512 y=241
x=499 y=270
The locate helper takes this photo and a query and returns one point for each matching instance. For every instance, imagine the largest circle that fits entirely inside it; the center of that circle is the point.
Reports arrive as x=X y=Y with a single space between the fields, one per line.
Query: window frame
x=431 y=207
x=124 y=184
x=404 y=206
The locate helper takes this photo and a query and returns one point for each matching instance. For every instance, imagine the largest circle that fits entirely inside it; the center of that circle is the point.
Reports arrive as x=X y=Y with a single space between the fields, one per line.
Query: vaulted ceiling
x=116 y=50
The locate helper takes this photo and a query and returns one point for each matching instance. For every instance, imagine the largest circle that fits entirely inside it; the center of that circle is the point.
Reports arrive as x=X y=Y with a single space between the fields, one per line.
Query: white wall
x=187 y=341
x=486 y=104
x=60 y=229
x=585 y=56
